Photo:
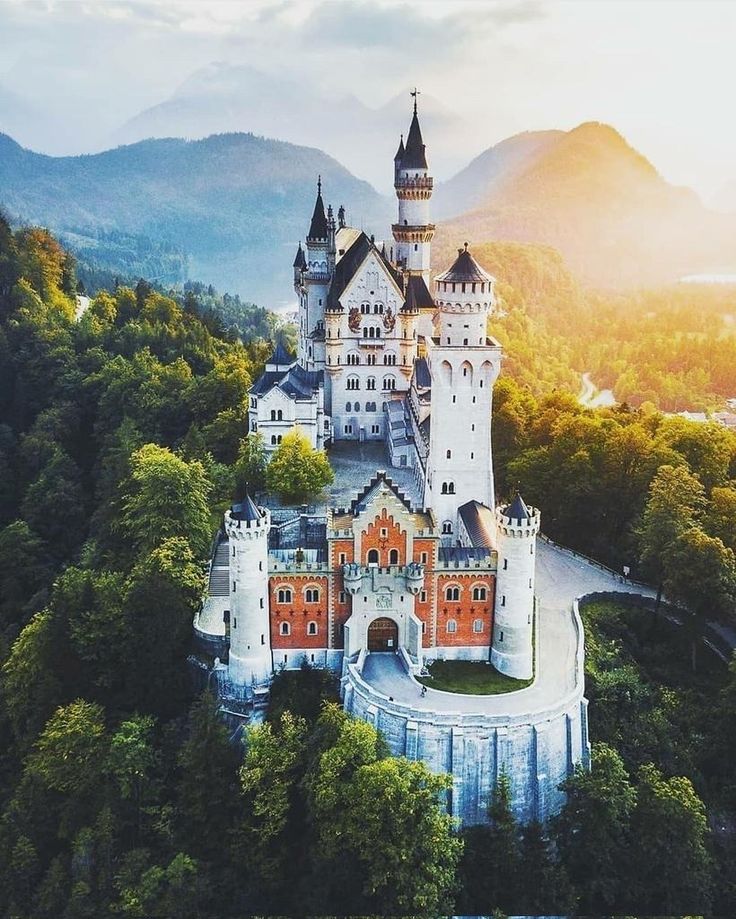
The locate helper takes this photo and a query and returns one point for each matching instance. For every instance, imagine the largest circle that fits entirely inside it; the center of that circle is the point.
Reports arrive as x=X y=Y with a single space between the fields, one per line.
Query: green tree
x=720 y=520
x=297 y=471
x=670 y=845
x=251 y=465
x=593 y=832
x=69 y=756
x=19 y=583
x=166 y=497
x=676 y=499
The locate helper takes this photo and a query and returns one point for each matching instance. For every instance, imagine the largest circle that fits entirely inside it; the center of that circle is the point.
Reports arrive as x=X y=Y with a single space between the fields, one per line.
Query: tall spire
x=318 y=226
x=414 y=156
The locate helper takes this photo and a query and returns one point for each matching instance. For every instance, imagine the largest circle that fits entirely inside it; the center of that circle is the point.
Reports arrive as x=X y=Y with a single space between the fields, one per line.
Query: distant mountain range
x=235 y=204
x=229 y=209
x=594 y=198
x=222 y=98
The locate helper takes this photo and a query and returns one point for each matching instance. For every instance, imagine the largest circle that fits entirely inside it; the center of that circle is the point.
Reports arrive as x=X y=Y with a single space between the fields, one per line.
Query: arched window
x=353 y=382
x=273 y=414
x=452 y=593
x=389 y=383
x=357 y=406
x=280 y=415
x=370 y=383
x=353 y=358
x=449 y=454
x=477 y=625
x=348 y=406
x=451 y=626
x=444 y=488
x=284 y=595
x=373 y=557
x=273 y=440
x=447 y=527
x=450 y=488
x=479 y=593
x=278 y=439
x=312 y=628
x=311 y=595
x=285 y=628
x=393 y=557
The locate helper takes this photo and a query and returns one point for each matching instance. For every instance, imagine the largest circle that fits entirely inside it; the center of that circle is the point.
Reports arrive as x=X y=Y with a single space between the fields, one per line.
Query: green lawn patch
x=476 y=678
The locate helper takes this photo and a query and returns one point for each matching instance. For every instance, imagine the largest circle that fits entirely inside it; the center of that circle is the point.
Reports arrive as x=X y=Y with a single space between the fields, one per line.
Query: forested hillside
x=586 y=192
x=121 y=790
x=672 y=348
x=227 y=210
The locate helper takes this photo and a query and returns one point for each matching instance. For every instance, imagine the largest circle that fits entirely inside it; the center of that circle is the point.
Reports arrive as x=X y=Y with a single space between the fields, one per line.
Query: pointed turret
x=414 y=156
x=400 y=151
x=318 y=226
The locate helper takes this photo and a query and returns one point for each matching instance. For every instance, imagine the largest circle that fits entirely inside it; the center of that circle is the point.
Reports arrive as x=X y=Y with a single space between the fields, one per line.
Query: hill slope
x=235 y=204
x=593 y=197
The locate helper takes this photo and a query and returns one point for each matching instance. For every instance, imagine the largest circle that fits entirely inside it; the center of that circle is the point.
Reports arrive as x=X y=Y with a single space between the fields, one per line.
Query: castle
x=431 y=572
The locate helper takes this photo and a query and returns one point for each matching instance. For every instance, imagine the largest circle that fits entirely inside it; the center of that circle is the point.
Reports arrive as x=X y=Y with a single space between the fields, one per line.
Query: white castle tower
x=512 y=652
x=464 y=364
x=312 y=280
x=247 y=529
x=413 y=184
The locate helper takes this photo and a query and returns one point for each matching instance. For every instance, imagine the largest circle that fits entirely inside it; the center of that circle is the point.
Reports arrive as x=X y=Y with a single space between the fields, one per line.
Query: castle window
x=424 y=627
x=353 y=359
x=530 y=582
x=444 y=488
x=235 y=622
x=452 y=594
x=500 y=638
x=451 y=488
x=479 y=593
x=451 y=626
x=263 y=639
x=384 y=532
x=481 y=384
x=260 y=602
x=423 y=596
x=370 y=384
x=235 y=586
x=449 y=454
x=348 y=406
x=285 y=628
x=273 y=440
x=465 y=369
x=341 y=596
x=389 y=359
x=260 y=566
x=472 y=427
x=357 y=406
x=284 y=595
x=312 y=628
x=465 y=341
x=503 y=600
x=233 y=551
x=505 y=564
x=373 y=557
x=423 y=558
x=343 y=558
x=353 y=382
x=477 y=625
x=273 y=414
x=278 y=439
x=454 y=399
x=393 y=557
x=389 y=383
x=279 y=415
x=447 y=527
x=311 y=595
x=376 y=429
x=348 y=429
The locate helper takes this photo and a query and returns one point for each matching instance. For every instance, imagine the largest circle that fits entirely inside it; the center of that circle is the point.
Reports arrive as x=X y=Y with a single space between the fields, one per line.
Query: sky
x=662 y=72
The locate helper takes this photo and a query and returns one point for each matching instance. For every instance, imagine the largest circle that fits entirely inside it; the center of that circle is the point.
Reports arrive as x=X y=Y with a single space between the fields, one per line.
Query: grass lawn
x=476 y=678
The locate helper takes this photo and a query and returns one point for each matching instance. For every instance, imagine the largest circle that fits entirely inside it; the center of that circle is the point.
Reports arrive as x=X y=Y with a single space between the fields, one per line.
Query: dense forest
x=122 y=792
x=671 y=348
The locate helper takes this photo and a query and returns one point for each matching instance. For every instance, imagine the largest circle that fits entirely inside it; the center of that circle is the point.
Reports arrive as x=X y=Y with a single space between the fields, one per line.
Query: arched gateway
x=383 y=635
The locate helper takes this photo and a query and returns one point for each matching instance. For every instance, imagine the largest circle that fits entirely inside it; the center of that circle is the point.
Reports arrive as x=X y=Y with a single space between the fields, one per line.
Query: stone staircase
x=219 y=585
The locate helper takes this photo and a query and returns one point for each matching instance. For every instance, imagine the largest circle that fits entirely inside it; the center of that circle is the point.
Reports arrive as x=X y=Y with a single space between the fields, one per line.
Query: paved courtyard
x=355 y=465
x=561 y=577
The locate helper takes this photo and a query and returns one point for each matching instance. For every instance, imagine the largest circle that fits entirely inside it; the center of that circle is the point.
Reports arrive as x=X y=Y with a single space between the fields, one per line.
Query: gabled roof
x=417 y=296
x=318 y=226
x=346 y=268
x=414 y=156
x=363 y=499
x=517 y=510
x=246 y=510
x=295 y=382
x=479 y=523
x=464 y=269
x=280 y=357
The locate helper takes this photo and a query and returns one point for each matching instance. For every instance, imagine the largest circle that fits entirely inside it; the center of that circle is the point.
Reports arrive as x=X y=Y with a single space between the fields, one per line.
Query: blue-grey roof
x=296 y=382
x=349 y=263
x=479 y=523
x=245 y=510
x=318 y=226
x=422 y=376
x=464 y=269
x=417 y=295
x=281 y=357
x=414 y=156
x=518 y=510
x=449 y=554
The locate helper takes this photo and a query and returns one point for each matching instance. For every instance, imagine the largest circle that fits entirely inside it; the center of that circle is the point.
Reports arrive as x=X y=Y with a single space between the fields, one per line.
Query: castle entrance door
x=383 y=635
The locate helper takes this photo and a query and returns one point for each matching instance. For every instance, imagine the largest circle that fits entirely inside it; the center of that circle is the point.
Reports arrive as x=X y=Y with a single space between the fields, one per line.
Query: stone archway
x=383 y=635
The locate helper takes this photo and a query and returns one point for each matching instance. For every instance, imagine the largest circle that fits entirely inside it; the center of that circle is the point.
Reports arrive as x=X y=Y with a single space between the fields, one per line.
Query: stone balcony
x=373 y=578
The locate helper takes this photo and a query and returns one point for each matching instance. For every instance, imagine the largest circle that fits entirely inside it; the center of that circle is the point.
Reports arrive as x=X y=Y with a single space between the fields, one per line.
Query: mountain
x=594 y=198
x=235 y=205
x=225 y=97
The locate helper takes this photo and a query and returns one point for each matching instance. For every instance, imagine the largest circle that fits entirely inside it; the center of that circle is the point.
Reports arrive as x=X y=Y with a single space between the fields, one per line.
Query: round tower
x=316 y=278
x=247 y=529
x=413 y=231
x=512 y=651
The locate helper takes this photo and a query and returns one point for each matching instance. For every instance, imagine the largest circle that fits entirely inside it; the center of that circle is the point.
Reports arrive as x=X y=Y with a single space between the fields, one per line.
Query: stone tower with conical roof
x=313 y=280
x=413 y=230
x=250 y=663
x=464 y=364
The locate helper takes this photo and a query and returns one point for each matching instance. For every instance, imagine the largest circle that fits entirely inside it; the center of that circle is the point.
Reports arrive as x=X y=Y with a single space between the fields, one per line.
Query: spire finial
x=414 y=93
x=319 y=184
x=466 y=247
